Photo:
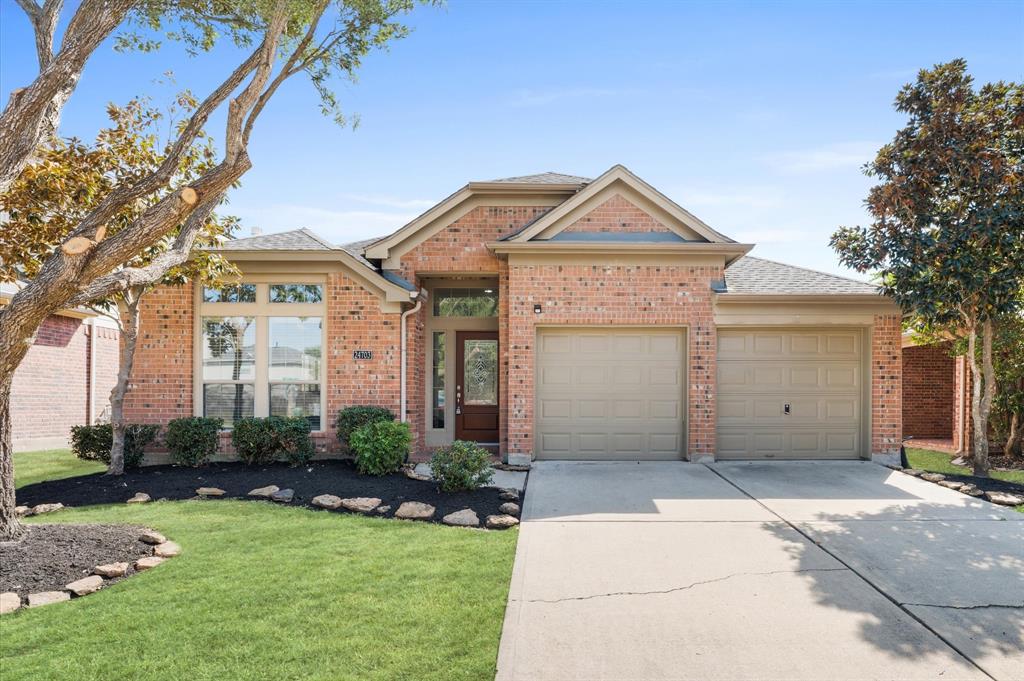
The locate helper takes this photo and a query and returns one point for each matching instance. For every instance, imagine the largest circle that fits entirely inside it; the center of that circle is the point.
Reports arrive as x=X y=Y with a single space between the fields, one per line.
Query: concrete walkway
x=824 y=570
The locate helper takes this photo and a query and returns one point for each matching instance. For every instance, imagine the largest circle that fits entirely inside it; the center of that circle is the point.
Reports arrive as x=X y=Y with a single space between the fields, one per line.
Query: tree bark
x=128 y=309
x=983 y=393
x=10 y=528
x=1016 y=436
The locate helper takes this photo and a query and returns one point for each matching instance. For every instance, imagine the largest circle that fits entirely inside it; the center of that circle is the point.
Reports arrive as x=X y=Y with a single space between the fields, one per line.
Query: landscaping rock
x=501 y=522
x=951 y=484
x=168 y=549
x=971 y=490
x=913 y=471
x=139 y=498
x=383 y=509
x=264 y=492
x=933 y=477
x=960 y=461
x=1004 y=498
x=47 y=597
x=508 y=508
x=410 y=472
x=111 y=570
x=509 y=495
x=152 y=537
x=465 y=518
x=328 y=501
x=9 y=602
x=282 y=496
x=210 y=492
x=360 y=504
x=46 y=508
x=415 y=510
x=86 y=585
x=22 y=511
x=148 y=562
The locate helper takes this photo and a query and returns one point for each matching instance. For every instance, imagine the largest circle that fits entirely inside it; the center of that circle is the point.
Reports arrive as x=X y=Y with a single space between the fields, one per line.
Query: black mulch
x=988 y=484
x=237 y=479
x=52 y=556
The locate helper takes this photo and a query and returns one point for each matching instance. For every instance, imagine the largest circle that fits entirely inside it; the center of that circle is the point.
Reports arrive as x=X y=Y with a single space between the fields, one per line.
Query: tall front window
x=262 y=351
x=437 y=381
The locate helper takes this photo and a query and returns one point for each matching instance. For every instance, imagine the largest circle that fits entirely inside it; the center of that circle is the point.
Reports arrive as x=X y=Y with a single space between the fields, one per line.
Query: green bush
x=461 y=465
x=380 y=446
x=192 y=441
x=351 y=418
x=93 y=443
x=262 y=440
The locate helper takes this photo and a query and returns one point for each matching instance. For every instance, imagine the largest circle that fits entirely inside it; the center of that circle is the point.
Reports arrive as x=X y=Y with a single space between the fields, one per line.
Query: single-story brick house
x=547 y=316
x=65 y=379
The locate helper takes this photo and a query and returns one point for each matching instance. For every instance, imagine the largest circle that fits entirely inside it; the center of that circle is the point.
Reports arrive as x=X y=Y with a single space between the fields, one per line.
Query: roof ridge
x=808 y=269
x=316 y=237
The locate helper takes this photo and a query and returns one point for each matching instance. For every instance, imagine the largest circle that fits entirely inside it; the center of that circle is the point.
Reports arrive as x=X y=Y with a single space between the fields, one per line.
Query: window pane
x=296 y=293
x=229 y=345
x=437 y=388
x=466 y=302
x=291 y=399
x=232 y=293
x=295 y=348
x=229 y=401
x=480 y=371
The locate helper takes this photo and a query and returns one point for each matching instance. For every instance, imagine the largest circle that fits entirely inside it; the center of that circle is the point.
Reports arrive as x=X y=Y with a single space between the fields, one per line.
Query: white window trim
x=262 y=310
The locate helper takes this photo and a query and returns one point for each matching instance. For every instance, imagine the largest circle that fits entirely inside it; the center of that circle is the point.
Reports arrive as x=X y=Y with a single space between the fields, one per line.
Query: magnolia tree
x=279 y=39
x=947 y=236
x=68 y=179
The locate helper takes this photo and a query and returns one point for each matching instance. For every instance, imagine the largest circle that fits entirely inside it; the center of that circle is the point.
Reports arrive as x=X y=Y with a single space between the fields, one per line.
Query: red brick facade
x=52 y=385
x=617 y=215
x=929 y=376
x=886 y=385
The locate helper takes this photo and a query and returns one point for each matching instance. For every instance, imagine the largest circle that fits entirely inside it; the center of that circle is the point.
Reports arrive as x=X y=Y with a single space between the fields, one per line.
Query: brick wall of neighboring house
x=613 y=294
x=929 y=375
x=886 y=385
x=461 y=248
x=617 y=215
x=51 y=387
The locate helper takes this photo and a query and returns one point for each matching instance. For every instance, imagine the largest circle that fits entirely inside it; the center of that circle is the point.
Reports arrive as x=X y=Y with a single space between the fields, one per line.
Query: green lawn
x=265 y=591
x=939 y=462
x=50 y=464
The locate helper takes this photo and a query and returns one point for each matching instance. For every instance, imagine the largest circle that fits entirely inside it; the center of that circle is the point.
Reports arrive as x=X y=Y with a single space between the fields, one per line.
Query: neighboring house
x=65 y=379
x=546 y=316
x=936 y=396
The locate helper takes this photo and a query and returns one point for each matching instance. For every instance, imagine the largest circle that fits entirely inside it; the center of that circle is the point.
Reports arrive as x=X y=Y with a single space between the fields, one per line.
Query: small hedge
x=461 y=465
x=381 y=446
x=351 y=419
x=93 y=443
x=262 y=440
x=192 y=441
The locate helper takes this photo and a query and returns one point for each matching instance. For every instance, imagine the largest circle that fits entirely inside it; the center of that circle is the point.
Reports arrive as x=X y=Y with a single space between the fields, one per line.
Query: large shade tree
x=947 y=236
x=278 y=38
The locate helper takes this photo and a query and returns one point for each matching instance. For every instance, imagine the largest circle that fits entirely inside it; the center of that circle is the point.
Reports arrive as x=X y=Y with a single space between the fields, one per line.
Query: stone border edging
x=968 y=488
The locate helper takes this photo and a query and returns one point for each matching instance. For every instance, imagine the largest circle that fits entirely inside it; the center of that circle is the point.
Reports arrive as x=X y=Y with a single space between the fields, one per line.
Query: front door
x=476 y=386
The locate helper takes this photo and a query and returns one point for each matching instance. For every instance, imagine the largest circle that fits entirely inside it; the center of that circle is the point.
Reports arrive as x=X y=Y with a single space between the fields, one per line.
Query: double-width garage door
x=610 y=393
x=790 y=394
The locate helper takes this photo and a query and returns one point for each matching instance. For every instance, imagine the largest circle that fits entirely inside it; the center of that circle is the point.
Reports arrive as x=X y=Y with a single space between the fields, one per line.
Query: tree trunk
x=984 y=392
x=128 y=309
x=10 y=528
x=1014 y=439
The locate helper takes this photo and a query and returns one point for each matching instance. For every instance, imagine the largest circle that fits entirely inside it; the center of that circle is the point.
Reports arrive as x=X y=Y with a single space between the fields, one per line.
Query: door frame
x=461 y=336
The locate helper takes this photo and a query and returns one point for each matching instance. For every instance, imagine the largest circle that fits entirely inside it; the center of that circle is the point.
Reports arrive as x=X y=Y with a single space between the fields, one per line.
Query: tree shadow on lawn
x=963 y=578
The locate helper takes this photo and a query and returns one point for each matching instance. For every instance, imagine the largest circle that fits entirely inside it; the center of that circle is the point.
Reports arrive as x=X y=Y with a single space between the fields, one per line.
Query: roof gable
x=618 y=184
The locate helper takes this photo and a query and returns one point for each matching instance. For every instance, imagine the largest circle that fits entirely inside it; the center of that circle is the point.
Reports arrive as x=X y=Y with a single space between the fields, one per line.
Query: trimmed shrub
x=461 y=465
x=262 y=440
x=381 y=446
x=193 y=440
x=93 y=443
x=351 y=418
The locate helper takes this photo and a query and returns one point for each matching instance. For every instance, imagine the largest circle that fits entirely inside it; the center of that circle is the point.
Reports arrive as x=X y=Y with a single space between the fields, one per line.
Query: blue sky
x=754 y=116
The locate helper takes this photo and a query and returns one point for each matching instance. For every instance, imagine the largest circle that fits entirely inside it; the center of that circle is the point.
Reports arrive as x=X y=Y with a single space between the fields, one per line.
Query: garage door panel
x=818 y=373
x=624 y=395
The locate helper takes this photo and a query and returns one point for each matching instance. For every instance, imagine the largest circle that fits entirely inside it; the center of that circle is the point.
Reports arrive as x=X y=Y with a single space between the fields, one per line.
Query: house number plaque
x=362 y=354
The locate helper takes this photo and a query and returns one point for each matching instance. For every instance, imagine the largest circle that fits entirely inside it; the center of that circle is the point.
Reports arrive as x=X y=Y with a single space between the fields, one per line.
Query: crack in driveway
x=678 y=588
x=1007 y=606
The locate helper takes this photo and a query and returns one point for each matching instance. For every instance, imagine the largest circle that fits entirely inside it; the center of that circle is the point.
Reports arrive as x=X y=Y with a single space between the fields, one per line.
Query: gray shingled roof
x=758 y=276
x=545 y=178
x=295 y=240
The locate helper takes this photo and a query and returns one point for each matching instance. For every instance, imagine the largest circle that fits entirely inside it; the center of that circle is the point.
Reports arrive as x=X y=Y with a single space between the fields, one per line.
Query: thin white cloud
x=837 y=156
x=529 y=97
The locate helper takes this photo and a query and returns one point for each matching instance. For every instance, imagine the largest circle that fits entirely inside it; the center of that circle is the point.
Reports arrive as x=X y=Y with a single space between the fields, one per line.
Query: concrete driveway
x=781 y=570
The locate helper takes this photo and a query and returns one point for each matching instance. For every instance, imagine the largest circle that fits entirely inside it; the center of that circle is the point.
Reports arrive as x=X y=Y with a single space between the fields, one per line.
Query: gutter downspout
x=418 y=297
x=91 y=405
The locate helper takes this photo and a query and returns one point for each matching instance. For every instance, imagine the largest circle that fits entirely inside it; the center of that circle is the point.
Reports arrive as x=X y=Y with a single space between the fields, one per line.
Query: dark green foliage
x=351 y=418
x=262 y=440
x=460 y=466
x=93 y=443
x=192 y=441
x=381 y=446
x=253 y=439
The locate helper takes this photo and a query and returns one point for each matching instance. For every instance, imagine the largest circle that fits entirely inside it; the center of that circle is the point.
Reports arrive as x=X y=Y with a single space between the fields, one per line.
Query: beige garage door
x=610 y=394
x=790 y=394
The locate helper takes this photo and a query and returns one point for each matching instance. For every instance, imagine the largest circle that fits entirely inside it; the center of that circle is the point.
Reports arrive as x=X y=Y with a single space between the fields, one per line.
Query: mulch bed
x=237 y=479
x=988 y=484
x=52 y=556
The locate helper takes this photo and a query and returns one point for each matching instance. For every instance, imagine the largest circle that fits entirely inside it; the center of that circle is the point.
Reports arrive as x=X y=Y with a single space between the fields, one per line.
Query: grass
x=263 y=591
x=50 y=464
x=940 y=462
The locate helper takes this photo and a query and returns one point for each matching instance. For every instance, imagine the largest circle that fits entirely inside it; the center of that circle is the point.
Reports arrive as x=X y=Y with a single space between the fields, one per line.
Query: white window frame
x=261 y=310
